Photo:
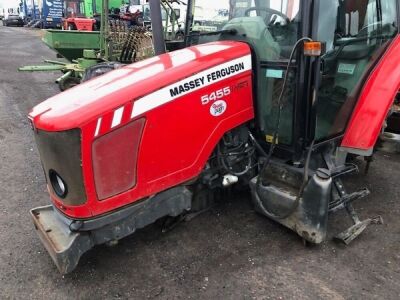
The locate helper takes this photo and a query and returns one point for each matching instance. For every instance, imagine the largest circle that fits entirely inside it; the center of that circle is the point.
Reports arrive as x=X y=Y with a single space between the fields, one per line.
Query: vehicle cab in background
x=173 y=15
x=74 y=12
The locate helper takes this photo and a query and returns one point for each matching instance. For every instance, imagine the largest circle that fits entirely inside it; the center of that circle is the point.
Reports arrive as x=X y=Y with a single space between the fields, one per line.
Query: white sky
x=9 y=3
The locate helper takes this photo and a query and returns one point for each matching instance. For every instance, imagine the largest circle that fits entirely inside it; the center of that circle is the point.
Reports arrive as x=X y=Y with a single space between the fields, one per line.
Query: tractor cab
x=74 y=16
x=306 y=95
x=354 y=35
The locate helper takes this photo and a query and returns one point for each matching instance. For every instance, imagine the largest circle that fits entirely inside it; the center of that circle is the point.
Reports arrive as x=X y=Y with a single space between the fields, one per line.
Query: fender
x=187 y=100
x=374 y=103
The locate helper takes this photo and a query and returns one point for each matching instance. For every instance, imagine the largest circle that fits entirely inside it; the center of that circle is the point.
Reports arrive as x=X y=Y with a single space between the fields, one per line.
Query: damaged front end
x=67 y=240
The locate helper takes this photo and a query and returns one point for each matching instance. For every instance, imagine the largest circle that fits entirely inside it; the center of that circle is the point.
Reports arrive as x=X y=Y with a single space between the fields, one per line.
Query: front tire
x=68 y=83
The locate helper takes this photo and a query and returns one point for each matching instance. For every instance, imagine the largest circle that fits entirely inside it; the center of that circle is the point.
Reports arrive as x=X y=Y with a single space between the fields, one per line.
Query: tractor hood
x=86 y=102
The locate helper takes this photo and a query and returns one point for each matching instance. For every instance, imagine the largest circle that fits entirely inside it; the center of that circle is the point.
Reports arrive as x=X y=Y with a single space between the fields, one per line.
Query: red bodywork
x=82 y=24
x=179 y=133
x=375 y=102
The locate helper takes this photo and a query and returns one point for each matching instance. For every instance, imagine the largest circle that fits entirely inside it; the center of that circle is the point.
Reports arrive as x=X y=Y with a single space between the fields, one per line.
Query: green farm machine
x=89 y=8
x=93 y=7
x=92 y=53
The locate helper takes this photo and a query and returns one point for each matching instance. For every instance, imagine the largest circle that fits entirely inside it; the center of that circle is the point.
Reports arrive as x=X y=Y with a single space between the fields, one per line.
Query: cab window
x=272 y=28
x=356 y=34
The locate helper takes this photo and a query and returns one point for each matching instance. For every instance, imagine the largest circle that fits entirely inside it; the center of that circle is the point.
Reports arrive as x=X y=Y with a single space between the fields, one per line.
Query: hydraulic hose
x=295 y=205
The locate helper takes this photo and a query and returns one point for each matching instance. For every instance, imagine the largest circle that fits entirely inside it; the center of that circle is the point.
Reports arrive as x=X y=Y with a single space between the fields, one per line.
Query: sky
x=9 y=3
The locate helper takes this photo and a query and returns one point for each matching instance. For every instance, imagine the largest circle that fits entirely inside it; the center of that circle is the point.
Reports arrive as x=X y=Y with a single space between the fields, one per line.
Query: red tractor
x=277 y=102
x=75 y=18
x=82 y=24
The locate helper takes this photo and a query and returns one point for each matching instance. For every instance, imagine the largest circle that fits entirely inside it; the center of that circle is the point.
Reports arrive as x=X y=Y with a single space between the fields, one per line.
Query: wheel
x=138 y=21
x=68 y=83
x=71 y=27
x=100 y=69
x=179 y=36
x=389 y=142
x=268 y=20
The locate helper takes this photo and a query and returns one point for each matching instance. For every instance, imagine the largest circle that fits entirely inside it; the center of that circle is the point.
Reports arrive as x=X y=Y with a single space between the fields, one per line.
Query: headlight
x=58 y=184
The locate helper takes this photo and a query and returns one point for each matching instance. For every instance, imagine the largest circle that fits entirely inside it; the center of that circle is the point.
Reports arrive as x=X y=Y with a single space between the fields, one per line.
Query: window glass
x=355 y=33
x=271 y=26
x=269 y=108
x=74 y=8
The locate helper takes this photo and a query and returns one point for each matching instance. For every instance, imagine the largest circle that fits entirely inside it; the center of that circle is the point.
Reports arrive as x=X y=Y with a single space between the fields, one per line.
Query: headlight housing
x=60 y=153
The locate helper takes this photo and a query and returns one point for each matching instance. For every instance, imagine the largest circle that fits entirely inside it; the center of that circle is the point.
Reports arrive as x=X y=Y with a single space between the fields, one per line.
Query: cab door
x=282 y=27
x=356 y=34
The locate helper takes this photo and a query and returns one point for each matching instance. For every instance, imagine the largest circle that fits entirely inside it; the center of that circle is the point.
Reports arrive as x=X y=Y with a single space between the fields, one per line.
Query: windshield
x=272 y=24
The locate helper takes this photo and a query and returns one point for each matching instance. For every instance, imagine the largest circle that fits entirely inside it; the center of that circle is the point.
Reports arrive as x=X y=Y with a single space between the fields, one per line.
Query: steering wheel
x=268 y=19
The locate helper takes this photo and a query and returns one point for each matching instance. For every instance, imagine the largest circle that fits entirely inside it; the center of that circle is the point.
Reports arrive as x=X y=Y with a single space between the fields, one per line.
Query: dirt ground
x=229 y=252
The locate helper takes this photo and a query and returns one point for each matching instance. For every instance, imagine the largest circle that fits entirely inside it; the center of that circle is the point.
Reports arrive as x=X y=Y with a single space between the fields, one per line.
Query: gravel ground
x=229 y=252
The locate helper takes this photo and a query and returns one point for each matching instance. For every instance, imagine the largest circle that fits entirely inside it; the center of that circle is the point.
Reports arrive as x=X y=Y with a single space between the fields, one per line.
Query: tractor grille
x=60 y=153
